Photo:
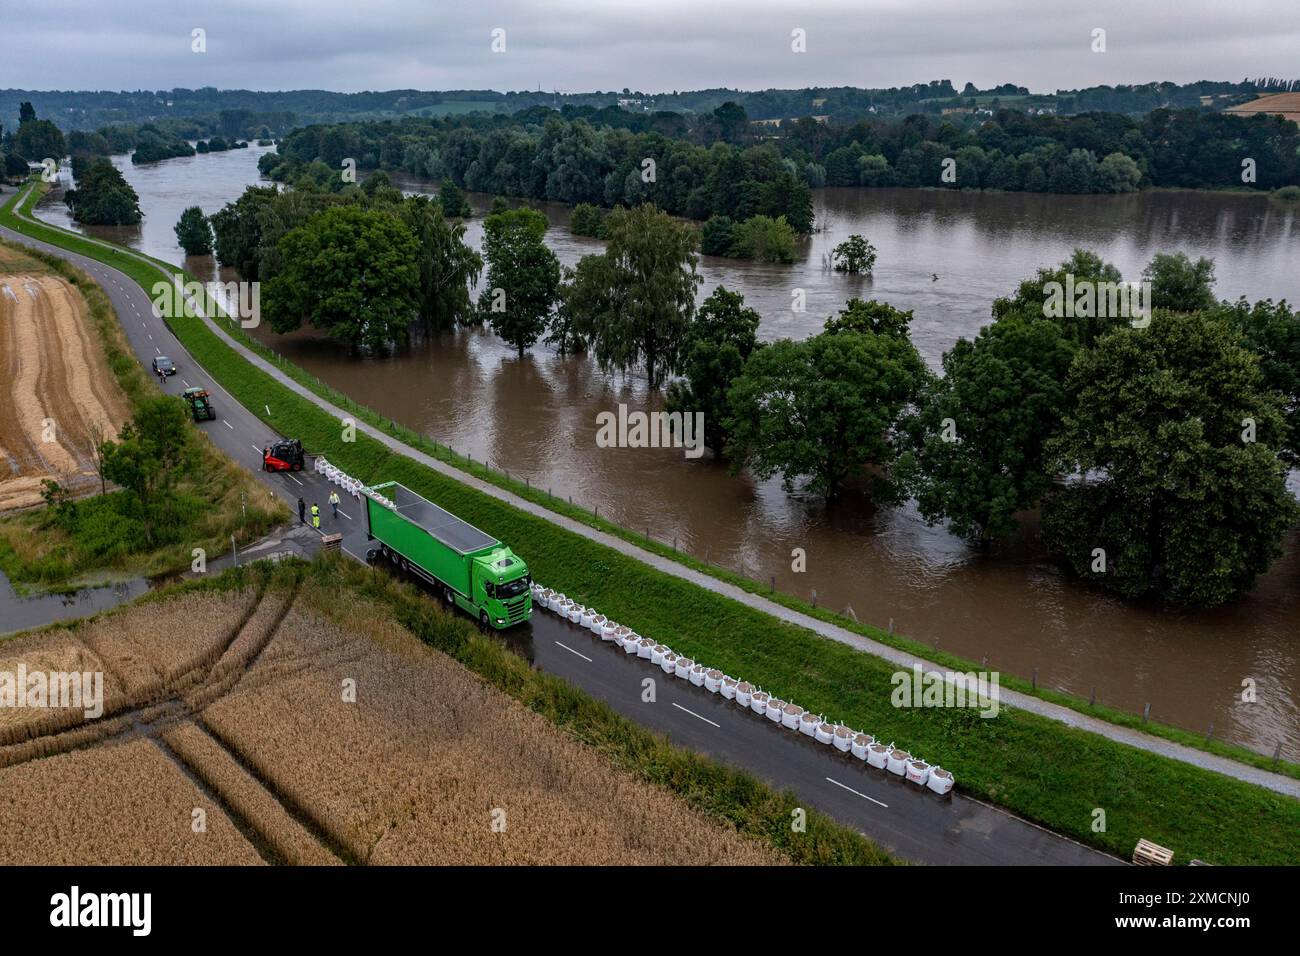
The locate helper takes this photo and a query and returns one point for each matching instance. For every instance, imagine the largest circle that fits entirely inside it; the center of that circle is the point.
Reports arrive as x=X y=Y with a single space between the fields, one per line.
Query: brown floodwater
x=944 y=255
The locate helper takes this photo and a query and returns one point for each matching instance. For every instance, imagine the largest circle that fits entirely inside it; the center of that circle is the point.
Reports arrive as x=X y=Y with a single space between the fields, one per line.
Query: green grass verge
x=1035 y=766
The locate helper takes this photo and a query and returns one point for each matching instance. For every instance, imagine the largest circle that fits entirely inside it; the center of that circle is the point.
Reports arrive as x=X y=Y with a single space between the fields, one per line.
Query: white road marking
x=572 y=651
x=255 y=448
x=156 y=348
x=345 y=514
x=185 y=383
x=697 y=716
x=228 y=425
x=291 y=476
x=862 y=795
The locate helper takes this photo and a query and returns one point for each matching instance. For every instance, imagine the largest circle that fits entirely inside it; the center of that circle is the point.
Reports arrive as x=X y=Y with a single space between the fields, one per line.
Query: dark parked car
x=162 y=365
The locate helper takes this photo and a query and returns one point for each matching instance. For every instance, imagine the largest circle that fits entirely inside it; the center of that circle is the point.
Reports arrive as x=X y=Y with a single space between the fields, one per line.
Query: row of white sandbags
x=349 y=484
x=789 y=715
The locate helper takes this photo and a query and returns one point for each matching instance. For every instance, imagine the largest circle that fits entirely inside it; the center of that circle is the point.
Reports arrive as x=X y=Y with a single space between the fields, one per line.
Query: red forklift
x=284 y=454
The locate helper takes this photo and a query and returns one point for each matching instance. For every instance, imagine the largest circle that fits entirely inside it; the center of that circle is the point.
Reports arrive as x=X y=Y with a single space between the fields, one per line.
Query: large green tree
x=351 y=272
x=1180 y=284
x=721 y=338
x=452 y=200
x=977 y=441
x=151 y=453
x=1034 y=298
x=1272 y=332
x=238 y=230
x=764 y=239
x=824 y=410
x=1172 y=444
x=523 y=277
x=37 y=139
x=193 y=232
x=634 y=302
x=103 y=197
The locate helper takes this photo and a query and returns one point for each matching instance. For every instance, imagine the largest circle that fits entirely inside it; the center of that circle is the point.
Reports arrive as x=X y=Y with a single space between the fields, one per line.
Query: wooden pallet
x=1149 y=854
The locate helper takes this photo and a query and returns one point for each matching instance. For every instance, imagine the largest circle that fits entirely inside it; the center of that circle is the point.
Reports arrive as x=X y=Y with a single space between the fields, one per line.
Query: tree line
x=740 y=170
x=539 y=155
x=240 y=113
x=1084 y=153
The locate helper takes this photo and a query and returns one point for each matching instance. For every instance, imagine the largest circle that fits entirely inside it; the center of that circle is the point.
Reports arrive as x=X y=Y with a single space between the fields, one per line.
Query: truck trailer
x=470 y=569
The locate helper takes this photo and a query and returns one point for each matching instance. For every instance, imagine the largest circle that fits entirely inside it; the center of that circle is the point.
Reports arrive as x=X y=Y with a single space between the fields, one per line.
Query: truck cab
x=501 y=587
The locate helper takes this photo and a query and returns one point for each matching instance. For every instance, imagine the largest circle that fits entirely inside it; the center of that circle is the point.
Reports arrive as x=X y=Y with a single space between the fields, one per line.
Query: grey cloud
x=661 y=45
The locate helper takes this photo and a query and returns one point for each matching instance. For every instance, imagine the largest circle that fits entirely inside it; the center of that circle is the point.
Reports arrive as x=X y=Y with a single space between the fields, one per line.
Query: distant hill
x=248 y=113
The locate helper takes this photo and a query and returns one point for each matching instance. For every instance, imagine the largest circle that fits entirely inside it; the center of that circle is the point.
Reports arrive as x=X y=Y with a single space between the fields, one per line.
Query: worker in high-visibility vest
x=315 y=516
x=334 y=503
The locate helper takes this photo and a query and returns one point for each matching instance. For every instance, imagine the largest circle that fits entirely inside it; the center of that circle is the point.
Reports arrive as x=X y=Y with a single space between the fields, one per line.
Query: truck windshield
x=512 y=588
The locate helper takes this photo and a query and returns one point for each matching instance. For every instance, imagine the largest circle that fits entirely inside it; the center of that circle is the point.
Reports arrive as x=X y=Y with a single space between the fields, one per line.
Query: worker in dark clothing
x=302 y=510
x=315 y=516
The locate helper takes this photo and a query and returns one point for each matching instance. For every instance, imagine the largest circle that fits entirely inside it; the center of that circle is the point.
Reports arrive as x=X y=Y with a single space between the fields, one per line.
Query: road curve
x=914 y=824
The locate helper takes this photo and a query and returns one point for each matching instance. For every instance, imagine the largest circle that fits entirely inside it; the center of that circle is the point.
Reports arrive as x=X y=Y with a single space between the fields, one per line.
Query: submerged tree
x=523 y=278
x=720 y=341
x=634 y=302
x=350 y=272
x=977 y=442
x=825 y=409
x=193 y=232
x=854 y=255
x=1173 y=439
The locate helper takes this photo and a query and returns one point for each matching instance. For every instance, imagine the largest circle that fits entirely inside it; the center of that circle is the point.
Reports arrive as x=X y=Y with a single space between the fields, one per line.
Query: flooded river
x=944 y=255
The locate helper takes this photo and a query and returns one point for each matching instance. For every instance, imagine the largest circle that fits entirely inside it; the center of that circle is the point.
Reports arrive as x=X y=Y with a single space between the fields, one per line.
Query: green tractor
x=200 y=404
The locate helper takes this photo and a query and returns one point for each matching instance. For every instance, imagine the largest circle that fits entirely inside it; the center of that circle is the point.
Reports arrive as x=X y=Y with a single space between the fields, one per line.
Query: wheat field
x=315 y=741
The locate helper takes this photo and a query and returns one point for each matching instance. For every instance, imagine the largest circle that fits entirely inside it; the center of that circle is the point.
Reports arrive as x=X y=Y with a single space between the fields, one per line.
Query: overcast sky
x=651 y=45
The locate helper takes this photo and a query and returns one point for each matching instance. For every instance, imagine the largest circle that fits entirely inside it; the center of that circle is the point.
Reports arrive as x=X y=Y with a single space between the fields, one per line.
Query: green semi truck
x=471 y=569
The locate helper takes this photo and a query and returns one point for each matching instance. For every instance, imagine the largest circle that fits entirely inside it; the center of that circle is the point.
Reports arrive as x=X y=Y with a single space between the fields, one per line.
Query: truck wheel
x=401 y=563
x=483 y=619
x=448 y=597
x=371 y=555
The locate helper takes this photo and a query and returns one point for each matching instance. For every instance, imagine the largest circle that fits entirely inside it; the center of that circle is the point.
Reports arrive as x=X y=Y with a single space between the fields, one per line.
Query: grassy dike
x=1032 y=765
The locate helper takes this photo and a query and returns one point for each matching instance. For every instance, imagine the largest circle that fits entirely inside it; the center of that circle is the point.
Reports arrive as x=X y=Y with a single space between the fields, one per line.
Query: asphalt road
x=914 y=823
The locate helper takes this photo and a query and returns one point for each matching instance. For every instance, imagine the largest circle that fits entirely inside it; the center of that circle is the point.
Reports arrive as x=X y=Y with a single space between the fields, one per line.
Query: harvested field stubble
x=52 y=372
